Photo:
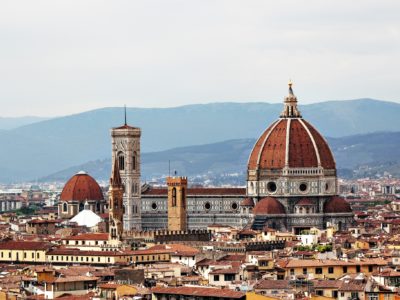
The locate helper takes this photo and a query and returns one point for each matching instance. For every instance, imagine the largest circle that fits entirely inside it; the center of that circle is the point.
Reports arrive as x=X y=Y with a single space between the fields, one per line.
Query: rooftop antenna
x=125 y=113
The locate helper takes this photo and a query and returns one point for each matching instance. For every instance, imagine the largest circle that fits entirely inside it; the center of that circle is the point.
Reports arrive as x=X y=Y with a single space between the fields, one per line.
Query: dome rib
x=328 y=161
x=313 y=142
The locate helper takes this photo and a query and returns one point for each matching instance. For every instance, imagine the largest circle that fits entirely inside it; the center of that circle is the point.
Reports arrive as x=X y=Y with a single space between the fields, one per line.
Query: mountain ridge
x=42 y=148
x=218 y=160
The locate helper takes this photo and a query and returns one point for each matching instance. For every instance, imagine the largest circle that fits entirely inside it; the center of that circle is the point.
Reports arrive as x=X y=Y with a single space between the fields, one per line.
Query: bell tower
x=126 y=151
x=177 y=217
x=115 y=204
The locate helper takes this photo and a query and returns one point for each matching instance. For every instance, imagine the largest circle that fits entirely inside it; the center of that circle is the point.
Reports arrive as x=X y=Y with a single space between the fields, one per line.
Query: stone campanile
x=126 y=151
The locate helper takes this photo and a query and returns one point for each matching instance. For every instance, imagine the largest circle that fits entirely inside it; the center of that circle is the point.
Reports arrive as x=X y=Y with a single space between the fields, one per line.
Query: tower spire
x=115 y=179
x=290 y=105
x=125 y=113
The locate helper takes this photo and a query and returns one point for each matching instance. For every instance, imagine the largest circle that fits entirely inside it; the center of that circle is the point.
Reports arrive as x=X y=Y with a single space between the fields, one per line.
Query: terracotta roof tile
x=199 y=291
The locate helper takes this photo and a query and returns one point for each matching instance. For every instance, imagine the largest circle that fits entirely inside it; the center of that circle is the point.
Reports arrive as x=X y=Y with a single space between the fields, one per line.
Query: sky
x=63 y=57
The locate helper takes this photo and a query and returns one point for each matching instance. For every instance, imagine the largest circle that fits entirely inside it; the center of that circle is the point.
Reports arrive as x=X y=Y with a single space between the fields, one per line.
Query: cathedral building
x=203 y=206
x=291 y=185
x=292 y=176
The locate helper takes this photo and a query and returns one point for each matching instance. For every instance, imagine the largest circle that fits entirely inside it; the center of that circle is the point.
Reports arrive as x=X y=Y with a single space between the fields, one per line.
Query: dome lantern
x=290 y=109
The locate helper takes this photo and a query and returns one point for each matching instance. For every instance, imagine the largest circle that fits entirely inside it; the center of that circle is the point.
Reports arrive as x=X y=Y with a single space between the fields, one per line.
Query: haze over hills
x=11 y=123
x=45 y=147
x=356 y=156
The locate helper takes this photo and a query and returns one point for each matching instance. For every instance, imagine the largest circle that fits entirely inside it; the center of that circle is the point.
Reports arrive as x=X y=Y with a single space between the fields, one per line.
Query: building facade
x=126 y=150
x=204 y=206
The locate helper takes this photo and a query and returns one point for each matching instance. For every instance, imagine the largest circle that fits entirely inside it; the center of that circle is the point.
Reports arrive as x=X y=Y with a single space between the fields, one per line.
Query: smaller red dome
x=247 y=202
x=337 y=204
x=305 y=201
x=81 y=187
x=269 y=206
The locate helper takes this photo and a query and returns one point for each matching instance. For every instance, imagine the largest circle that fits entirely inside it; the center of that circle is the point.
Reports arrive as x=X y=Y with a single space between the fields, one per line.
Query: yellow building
x=254 y=296
x=75 y=256
x=177 y=218
x=23 y=252
x=330 y=269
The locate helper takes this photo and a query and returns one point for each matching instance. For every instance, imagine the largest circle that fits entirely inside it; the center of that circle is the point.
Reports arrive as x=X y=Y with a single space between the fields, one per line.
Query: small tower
x=290 y=109
x=177 y=219
x=126 y=149
x=115 y=204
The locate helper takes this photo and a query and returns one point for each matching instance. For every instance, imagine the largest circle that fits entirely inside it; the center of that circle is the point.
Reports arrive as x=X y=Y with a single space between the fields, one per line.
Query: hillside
x=11 y=123
x=42 y=148
x=225 y=162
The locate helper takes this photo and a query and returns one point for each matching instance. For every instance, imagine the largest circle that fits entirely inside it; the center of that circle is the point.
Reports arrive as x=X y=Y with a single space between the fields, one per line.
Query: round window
x=234 y=206
x=207 y=206
x=154 y=205
x=303 y=187
x=271 y=187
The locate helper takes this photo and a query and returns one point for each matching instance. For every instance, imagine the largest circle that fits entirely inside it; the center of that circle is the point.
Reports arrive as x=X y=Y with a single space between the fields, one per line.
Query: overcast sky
x=62 y=57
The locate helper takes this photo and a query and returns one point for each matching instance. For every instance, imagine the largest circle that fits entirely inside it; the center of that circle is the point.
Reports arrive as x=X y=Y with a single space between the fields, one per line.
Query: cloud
x=60 y=57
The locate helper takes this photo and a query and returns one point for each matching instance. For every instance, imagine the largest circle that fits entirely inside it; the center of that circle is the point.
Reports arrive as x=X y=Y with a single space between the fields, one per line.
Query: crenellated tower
x=177 y=217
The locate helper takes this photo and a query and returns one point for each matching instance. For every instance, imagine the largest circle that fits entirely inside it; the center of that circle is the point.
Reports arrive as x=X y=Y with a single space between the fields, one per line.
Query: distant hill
x=42 y=148
x=226 y=162
x=11 y=123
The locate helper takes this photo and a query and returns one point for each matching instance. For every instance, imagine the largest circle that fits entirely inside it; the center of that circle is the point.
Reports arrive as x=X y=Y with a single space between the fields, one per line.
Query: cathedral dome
x=269 y=206
x=337 y=204
x=290 y=142
x=81 y=187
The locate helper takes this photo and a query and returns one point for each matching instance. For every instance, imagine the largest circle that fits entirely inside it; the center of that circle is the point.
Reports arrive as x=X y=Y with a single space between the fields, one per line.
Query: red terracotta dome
x=305 y=202
x=293 y=143
x=81 y=187
x=337 y=204
x=269 y=206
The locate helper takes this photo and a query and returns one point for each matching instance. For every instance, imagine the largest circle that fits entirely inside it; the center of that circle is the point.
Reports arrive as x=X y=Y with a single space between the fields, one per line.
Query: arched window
x=134 y=161
x=81 y=206
x=65 y=207
x=173 y=196
x=121 y=161
x=183 y=192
